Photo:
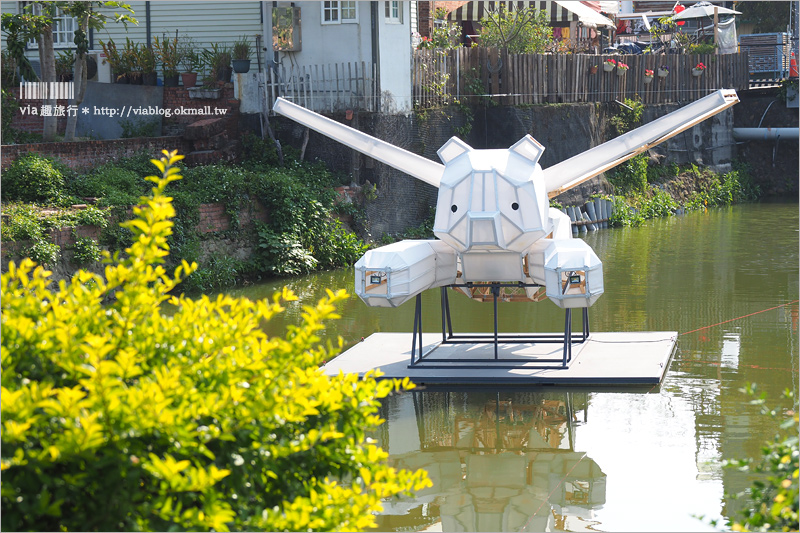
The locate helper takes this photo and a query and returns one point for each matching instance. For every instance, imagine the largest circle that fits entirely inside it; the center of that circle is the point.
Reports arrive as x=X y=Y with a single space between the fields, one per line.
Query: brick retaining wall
x=81 y=155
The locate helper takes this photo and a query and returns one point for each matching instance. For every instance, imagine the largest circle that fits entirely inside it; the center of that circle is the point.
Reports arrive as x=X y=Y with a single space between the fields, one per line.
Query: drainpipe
x=765 y=134
x=147 y=21
x=376 y=59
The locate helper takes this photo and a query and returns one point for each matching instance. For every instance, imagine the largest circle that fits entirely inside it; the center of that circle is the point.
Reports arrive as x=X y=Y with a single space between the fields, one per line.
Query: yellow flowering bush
x=117 y=416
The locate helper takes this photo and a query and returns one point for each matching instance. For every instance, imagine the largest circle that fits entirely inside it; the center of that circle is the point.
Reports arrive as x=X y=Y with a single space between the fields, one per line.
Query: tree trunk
x=47 y=58
x=79 y=77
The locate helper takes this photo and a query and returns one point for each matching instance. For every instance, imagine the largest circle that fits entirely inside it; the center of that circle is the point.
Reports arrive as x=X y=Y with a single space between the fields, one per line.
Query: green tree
x=768 y=17
x=26 y=25
x=117 y=416
x=87 y=17
x=521 y=31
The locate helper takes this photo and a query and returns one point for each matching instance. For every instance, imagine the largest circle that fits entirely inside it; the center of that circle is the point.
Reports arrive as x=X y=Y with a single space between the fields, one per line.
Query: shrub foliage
x=118 y=417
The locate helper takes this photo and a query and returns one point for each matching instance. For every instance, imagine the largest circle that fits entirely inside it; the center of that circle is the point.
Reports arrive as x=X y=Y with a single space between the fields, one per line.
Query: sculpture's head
x=491 y=200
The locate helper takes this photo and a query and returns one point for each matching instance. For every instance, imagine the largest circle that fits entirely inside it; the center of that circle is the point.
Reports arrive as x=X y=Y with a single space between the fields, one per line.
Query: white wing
x=403 y=160
x=575 y=170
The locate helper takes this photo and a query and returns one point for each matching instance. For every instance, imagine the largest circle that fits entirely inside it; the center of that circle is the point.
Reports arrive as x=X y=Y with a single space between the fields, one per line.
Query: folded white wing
x=575 y=170
x=394 y=156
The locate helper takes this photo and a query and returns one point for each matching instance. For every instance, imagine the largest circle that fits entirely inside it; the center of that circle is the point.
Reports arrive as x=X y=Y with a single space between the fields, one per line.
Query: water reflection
x=499 y=461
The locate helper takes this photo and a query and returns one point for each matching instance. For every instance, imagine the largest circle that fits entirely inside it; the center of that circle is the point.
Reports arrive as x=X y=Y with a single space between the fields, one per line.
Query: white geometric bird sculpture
x=493 y=220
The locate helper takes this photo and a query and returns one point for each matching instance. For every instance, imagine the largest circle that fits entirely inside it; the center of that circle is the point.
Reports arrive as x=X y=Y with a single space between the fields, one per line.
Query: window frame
x=64 y=27
x=390 y=8
x=336 y=9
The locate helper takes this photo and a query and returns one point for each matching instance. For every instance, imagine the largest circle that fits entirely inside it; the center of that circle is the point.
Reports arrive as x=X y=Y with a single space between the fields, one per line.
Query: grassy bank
x=300 y=236
x=642 y=192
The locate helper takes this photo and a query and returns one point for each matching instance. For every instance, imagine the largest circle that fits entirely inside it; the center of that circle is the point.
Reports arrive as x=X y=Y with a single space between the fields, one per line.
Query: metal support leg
x=495 y=292
x=585 y=323
x=444 y=311
x=417 y=328
x=449 y=320
x=567 y=337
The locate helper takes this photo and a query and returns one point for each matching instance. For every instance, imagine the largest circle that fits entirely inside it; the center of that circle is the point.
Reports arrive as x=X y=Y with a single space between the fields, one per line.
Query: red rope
x=738 y=318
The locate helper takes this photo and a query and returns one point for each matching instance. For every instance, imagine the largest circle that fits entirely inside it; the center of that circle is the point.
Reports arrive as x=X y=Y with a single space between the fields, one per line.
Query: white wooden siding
x=205 y=21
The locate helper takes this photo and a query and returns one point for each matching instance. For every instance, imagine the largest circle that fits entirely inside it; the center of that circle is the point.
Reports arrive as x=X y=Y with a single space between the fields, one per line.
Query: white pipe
x=765 y=134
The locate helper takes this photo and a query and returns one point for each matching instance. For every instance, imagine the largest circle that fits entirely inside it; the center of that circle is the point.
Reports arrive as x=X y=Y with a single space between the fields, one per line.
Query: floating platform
x=635 y=359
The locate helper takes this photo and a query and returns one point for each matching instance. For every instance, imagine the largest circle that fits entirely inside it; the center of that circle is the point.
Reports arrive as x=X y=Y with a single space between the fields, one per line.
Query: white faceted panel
x=492 y=266
x=391 y=275
x=573 y=273
x=561 y=224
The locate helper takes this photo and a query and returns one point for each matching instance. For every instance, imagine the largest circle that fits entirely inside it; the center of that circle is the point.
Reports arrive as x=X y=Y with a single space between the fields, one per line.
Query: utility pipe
x=765 y=134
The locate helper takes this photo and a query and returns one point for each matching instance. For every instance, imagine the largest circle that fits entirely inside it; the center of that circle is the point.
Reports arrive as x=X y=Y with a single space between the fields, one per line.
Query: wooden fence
x=324 y=88
x=464 y=74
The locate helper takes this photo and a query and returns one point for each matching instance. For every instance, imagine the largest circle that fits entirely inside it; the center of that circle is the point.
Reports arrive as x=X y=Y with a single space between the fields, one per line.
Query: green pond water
x=573 y=460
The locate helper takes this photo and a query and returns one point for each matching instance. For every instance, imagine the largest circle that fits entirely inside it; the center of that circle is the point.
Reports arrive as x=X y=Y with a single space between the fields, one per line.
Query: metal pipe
x=765 y=134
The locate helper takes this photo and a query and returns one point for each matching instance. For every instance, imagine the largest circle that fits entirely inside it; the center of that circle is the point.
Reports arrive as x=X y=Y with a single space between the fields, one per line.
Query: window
x=394 y=12
x=339 y=12
x=63 y=29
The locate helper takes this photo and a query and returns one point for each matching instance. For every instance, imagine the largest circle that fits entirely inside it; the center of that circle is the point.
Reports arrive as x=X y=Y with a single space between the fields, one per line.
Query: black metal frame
x=448 y=337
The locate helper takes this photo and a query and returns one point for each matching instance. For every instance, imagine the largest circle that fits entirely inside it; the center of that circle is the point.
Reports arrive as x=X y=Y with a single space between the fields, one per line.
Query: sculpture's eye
x=515 y=206
x=454 y=208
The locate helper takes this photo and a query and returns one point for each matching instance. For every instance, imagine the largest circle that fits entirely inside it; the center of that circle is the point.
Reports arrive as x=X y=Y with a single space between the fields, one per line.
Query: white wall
x=395 y=61
x=329 y=44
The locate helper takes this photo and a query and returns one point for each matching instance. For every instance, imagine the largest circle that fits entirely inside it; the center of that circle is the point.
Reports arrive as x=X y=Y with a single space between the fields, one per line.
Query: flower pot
x=189 y=79
x=621 y=71
x=648 y=79
x=593 y=69
x=662 y=73
x=123 y=78
x=150 y=78
x=608 y=67
x=135 y=78
x=171 y=80
x=697 y=72
x=241 y=66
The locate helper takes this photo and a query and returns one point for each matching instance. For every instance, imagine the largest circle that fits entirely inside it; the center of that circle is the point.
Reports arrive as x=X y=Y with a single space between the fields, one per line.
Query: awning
x=558 y=11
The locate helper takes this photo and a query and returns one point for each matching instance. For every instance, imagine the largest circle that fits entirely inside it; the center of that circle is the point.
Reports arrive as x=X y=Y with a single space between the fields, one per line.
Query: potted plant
x=168 y=52
x=218 y=59
x=115 y=61
x=663 y=71
x=622 y=68
x=147 y=63
x=593 y=69
x=191 y=62
x=130 y=56
x=65 y=62
x=698 y=69
x=648 y=75
x=241 y=56
x=609 y=64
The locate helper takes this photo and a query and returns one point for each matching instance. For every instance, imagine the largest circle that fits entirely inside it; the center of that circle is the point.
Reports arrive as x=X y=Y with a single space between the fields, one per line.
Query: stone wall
x=214 y=226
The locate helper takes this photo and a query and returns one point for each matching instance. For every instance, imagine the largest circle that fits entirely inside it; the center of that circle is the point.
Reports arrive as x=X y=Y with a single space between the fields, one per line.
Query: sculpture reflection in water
x=499 y=461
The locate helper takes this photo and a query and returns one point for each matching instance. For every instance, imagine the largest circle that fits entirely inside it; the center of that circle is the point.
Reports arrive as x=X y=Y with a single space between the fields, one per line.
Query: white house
x=342 y=40
x=347 y=35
